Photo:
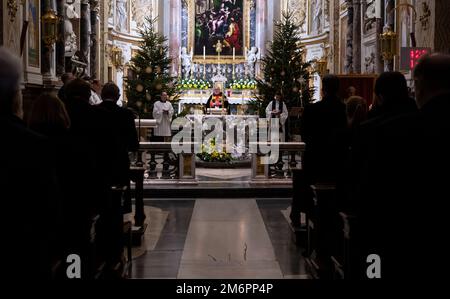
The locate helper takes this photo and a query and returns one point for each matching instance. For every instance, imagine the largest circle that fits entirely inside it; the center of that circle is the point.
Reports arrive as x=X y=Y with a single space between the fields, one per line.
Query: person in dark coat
x=322 y=126
x=75 y=168
x=401 y=208
x=28 y=184
x=124 y=128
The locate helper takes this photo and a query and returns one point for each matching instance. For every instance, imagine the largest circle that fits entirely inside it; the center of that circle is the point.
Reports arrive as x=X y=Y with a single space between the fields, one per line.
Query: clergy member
x=277 y=109
x=162 y=113
x=217 y=100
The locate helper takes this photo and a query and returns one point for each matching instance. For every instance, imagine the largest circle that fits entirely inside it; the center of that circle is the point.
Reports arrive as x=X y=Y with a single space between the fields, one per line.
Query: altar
x=193 y=102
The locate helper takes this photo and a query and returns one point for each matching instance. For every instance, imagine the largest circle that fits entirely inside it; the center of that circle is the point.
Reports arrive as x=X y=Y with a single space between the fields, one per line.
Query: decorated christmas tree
x=150 y=71
x=284 y=68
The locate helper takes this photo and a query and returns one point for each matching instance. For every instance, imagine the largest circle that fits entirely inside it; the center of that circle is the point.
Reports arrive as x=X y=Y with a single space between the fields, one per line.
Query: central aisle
x=228 y=239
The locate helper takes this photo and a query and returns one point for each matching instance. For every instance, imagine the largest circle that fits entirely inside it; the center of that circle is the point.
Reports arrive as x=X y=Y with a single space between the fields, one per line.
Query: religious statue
x=370 y=15
x=186 y=62
x=122 y=15
x=425 y=17
x=316 y=8
x=252 y=58
x=70 y=36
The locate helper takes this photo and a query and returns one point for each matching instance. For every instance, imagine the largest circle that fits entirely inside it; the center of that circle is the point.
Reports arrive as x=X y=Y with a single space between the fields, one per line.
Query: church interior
x=224 y=139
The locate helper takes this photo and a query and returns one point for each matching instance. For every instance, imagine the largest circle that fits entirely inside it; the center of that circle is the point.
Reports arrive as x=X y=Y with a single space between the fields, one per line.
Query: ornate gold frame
x=214 y=59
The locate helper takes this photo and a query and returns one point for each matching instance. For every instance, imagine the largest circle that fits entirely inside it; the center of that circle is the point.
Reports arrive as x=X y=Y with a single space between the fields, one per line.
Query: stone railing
x=290 y=156
x=162 y=164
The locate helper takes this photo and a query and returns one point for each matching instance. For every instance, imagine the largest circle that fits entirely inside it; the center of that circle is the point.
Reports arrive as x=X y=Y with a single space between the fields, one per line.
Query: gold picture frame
x=212 y=59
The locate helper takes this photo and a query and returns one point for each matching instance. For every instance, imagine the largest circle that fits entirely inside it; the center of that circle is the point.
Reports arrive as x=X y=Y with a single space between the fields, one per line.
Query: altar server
x=162 y=113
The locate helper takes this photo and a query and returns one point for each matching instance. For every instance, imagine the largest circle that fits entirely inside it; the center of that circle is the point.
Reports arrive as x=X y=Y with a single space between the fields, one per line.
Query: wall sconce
x=321 y=66
x=116 y=56
x=388 y=44
x=50 y=23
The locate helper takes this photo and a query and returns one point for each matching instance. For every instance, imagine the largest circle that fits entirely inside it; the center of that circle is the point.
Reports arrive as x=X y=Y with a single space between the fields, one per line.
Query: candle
x=204 y=52
x=234 y=53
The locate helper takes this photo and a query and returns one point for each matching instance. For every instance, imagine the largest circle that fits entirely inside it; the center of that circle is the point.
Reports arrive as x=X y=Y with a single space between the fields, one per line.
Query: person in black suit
x=402 y=196
x=28 y=184
x=124 y=128
x=91 y=127
x=322 y=125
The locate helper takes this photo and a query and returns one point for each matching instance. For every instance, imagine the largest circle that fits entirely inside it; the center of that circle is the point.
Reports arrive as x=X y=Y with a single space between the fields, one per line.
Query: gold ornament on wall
x=49 y=27
x=12 y=10
x=116 y=57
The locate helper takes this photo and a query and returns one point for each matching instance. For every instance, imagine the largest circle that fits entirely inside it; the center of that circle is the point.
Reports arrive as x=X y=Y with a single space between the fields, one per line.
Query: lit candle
x=204 y=52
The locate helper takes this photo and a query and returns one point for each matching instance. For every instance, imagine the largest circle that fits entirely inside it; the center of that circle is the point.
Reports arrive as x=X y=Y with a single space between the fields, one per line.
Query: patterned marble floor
x=220 y=238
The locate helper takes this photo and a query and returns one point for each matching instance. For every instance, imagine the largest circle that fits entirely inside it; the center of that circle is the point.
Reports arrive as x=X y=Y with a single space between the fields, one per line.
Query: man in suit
x=27 y=183
x=322 y=125
x=124 y=128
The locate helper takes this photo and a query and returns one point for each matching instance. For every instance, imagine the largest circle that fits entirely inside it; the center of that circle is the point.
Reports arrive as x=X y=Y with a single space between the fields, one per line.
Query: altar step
x=218 y=190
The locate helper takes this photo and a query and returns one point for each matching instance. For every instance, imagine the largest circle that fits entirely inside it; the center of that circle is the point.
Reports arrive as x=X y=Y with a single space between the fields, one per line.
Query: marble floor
x=219 y=239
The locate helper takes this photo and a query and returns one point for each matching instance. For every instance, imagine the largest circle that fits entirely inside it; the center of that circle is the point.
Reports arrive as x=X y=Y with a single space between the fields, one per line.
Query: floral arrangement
x=194 y=84
x=243 y=84
x=210 y=153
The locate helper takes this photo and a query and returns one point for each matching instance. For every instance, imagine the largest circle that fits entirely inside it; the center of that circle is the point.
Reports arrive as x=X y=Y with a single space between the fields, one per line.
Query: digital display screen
x=410 y=57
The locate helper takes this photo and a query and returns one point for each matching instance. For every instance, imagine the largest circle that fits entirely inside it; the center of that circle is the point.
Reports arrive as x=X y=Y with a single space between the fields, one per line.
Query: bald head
x=10 y=79
x=432 y=77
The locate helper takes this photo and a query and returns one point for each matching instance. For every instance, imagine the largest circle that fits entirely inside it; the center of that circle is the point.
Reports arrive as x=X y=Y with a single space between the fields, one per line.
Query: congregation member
x=322 y=126
x=162 y=113
x=65 y=78
x=124 y=129
x=401 y=203
x=391 y=97
x=28 y=177
x=96 y=90
x=75 y=170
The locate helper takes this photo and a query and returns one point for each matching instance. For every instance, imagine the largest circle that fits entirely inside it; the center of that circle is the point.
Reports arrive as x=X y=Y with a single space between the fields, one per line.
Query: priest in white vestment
x=277 y=109
x=162 y=113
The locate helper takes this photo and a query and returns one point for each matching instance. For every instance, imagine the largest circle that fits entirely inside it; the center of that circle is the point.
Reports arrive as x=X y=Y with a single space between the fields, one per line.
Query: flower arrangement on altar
x=243 y=84
x=186 y=84
x=210 y=153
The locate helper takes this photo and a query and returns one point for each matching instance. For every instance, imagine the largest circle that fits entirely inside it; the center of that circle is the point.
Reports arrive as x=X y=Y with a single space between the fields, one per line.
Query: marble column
x=60 y=43
x=46 y=53
x=175 y=33
x=357 y=36
x=261 y=25
x=389 y=21
x=94 y=7
x=379 y=64
x=85 y=31
x=348 y=67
